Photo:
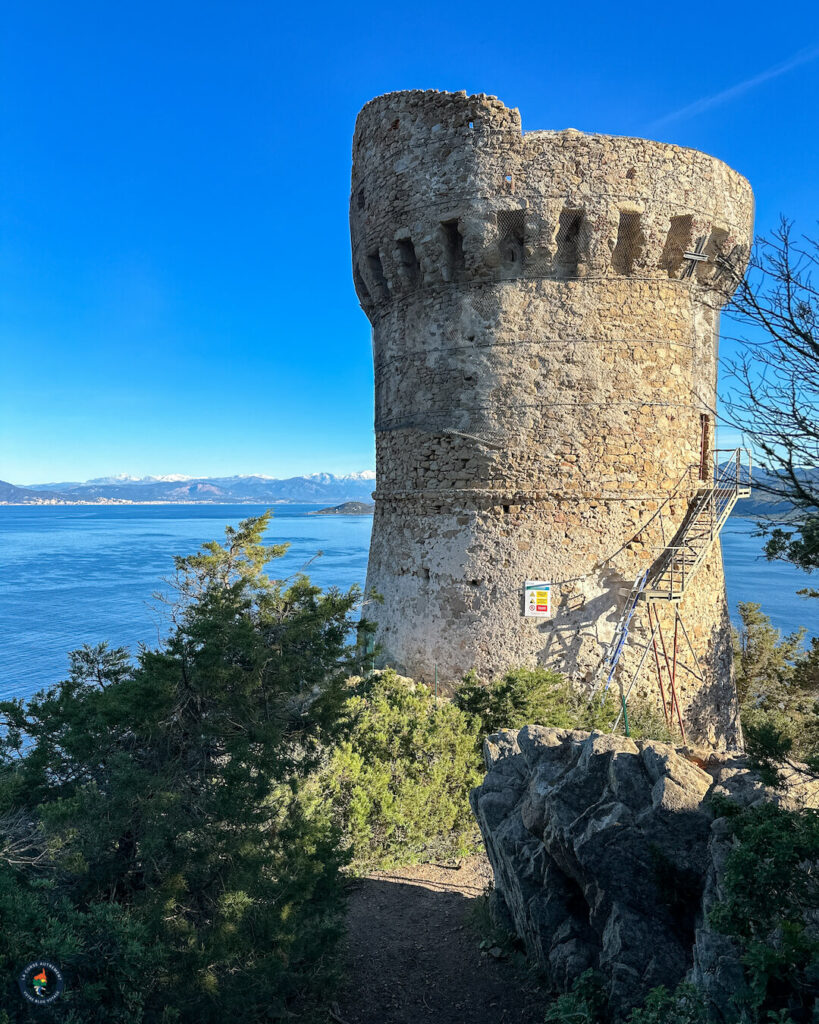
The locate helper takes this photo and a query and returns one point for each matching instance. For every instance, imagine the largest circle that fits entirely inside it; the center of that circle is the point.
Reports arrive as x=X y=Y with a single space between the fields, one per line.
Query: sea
x=75 y=574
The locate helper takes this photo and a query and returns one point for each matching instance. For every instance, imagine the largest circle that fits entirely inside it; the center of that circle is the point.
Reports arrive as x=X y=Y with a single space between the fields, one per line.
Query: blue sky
x=175 y=286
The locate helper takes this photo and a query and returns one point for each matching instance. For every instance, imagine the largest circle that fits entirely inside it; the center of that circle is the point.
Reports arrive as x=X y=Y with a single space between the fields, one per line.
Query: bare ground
x=413 y=953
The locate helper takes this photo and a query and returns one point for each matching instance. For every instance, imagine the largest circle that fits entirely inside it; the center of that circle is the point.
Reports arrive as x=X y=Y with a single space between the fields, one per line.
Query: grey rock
x=606 y=854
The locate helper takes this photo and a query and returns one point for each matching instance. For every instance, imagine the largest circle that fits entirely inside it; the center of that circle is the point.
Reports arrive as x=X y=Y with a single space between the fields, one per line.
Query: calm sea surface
x=78 y=573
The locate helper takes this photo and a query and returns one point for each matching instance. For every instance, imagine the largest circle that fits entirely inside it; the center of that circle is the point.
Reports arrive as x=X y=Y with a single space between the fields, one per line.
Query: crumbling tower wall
x=545 y=372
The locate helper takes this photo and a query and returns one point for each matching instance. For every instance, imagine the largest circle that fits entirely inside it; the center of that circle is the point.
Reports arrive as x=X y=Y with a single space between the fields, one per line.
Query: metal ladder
x=679 y=561
x=620 y=635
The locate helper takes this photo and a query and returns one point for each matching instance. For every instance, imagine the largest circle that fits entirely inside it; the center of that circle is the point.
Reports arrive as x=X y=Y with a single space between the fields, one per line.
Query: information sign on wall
x=537 y=599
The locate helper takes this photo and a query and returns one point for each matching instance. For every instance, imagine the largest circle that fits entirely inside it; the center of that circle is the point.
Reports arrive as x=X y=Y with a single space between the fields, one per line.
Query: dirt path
x=413 y=956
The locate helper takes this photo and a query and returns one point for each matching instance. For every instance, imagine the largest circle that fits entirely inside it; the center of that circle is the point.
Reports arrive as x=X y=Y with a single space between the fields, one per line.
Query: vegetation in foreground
x=151 y=837
x=778 y=688
x=175 y=832
x=396 y=778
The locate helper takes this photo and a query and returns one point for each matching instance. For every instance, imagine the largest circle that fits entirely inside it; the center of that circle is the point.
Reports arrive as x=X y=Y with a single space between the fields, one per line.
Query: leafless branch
x=22 y=843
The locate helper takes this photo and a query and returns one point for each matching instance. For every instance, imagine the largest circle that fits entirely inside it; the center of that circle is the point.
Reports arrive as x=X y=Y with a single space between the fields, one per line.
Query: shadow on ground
x=413 y=953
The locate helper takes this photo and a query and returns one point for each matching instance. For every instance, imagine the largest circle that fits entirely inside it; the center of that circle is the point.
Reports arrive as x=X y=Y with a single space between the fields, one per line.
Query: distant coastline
x=326 y=490
x=316 y=488
x=126 y=501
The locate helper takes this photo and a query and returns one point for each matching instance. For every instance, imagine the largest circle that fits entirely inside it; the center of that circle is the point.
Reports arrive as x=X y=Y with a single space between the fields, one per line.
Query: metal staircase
x=670 y=574
x=679 y=561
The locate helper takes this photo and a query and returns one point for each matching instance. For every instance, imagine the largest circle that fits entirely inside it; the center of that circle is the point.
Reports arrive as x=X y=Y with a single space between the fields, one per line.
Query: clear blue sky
x=175 y=287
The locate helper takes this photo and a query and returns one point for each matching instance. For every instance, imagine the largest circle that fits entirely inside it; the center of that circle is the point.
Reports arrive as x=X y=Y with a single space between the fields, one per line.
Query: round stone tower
x=545 y=372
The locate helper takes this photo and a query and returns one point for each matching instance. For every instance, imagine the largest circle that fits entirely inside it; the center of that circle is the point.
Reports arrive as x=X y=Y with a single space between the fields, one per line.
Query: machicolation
x=545 y=374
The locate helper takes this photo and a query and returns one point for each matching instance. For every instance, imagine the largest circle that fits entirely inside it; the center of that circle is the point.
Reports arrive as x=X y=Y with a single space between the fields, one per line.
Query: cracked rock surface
x=606 y=854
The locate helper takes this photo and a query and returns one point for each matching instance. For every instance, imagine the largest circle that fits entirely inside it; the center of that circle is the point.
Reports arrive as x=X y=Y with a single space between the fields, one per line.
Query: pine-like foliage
x=769 y=906
x=541 y=696
x=151 y=837
x=397 y=784
x=778 y=686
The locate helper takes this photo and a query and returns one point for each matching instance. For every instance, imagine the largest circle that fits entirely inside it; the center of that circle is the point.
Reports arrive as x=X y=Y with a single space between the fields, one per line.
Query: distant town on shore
x=316 y=488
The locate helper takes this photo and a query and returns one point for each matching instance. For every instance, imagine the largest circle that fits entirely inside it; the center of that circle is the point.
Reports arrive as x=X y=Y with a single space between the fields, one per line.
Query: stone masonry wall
x=543 y=360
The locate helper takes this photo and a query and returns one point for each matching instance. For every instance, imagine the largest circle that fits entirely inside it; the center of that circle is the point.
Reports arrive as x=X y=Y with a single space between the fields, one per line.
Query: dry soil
x=413 y=953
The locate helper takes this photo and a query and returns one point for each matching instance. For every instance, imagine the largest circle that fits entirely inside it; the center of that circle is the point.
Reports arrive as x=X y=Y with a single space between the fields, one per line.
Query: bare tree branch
x=22 y=843
x=773 y=390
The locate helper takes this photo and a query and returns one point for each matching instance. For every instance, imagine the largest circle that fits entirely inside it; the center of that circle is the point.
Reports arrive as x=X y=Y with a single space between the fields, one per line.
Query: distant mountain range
x=762 y=504
x=324 y=488
x=11 y=495
x=318 y=487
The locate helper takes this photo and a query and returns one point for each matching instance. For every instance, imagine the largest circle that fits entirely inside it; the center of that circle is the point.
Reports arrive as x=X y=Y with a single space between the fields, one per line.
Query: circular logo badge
x=41 y=982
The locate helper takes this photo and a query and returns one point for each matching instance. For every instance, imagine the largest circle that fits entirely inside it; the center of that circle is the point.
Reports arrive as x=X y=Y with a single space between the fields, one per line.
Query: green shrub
x=685 y=1005
x=778 y=686
x=521 y=697
x=398 y=782
x=770 y=892
x=542 y=696
x=151 y=837
x=764 y=661
x=395 y=778
x=584 y=1004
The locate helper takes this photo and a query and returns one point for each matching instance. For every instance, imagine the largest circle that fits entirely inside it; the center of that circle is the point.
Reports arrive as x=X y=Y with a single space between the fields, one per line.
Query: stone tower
x=545 y=371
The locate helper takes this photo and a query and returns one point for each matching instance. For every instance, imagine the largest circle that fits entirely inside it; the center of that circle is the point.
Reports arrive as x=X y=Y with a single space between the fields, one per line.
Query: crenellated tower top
x=446 y=188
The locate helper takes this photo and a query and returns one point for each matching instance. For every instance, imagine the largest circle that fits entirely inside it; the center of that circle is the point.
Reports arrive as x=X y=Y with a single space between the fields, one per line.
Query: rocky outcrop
x=607 y=854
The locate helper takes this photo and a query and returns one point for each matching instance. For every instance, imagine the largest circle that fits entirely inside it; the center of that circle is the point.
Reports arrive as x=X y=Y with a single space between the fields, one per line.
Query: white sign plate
x=537 y=599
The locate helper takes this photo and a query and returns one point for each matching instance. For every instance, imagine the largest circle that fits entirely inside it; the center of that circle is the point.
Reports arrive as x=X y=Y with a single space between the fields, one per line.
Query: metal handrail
x=681 y=561
x=737 y=457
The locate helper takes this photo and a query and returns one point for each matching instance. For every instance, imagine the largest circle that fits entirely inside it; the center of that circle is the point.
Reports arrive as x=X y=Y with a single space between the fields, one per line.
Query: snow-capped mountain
x=326 y=488
x=124 y=478
x=366 y=474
